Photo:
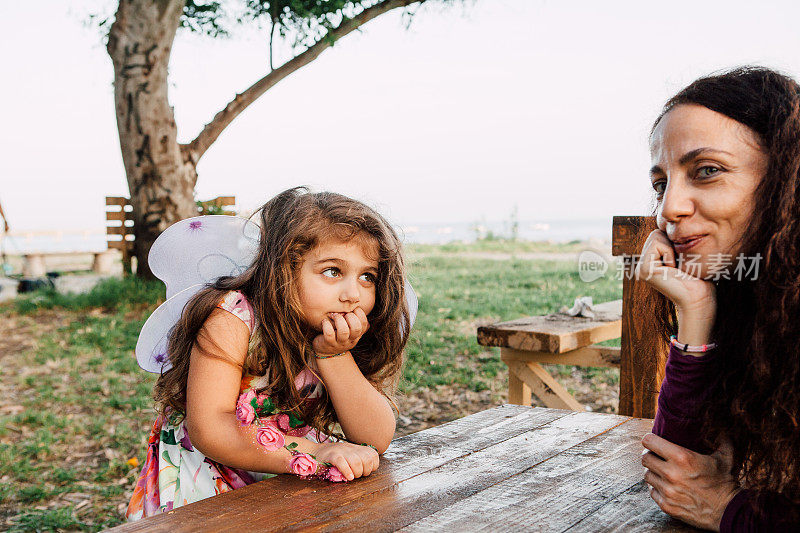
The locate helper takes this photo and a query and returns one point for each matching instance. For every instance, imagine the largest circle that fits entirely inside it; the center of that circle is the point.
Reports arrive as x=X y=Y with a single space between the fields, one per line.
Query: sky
x=476 y=109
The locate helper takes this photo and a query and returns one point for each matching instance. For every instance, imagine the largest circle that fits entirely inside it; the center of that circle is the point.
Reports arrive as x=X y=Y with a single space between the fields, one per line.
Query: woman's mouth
x=687 y=244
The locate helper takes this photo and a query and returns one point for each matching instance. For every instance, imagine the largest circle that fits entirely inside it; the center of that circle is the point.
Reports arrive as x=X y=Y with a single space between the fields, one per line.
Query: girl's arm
x=215 y=375
x=364 y=413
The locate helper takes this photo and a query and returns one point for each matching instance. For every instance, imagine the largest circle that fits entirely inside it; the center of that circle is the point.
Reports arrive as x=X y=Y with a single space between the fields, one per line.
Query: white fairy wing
x=186 y=256
x=413 y=303
x=151 y=348
x=201 y=249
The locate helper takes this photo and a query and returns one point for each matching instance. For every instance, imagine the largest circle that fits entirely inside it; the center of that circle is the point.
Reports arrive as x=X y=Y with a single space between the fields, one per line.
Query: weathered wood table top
x=556 y=332
x=511 y=468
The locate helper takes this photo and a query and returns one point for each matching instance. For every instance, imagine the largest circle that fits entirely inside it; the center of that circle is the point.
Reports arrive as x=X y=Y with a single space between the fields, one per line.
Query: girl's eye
x=707 y=172
x=659 y=186
x=369 y=278
x=331 y=272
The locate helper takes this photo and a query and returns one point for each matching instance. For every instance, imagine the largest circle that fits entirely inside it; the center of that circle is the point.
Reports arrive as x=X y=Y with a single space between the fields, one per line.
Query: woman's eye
x=659 y=187
x=330 y=272
x=369 y=278
x=707 y=172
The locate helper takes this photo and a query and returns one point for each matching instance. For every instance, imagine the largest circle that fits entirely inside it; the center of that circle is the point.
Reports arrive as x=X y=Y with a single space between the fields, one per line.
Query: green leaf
x=291 y=446
x=294 y=421
x=268 y=406
x=168 y=437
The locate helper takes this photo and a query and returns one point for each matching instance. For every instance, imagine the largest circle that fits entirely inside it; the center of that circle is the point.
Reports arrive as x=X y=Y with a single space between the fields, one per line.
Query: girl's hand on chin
x=340 y=332
x=657 y=266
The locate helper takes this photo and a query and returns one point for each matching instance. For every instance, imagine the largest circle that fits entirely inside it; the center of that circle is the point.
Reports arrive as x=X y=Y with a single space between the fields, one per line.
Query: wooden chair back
x=119 y=222
x=642 y=351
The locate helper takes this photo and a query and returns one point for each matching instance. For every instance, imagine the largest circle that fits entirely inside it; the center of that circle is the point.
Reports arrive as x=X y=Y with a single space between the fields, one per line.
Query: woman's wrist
x=695 y=325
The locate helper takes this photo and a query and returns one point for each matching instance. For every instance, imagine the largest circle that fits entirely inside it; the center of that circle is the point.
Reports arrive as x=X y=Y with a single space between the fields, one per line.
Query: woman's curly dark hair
x=756 y=399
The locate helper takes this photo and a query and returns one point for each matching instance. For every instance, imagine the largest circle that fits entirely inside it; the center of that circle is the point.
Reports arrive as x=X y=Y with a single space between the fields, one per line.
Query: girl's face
x=706 y=168
x=337 y=277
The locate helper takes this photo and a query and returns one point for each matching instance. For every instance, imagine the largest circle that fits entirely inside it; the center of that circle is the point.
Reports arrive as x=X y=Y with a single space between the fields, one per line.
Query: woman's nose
x=677 y=202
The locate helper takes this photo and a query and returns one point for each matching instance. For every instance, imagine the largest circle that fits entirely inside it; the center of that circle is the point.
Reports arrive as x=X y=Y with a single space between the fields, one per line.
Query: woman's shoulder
x=236 y=303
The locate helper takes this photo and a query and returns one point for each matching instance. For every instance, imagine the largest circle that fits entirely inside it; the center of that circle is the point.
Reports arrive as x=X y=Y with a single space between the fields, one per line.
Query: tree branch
x=222 y=119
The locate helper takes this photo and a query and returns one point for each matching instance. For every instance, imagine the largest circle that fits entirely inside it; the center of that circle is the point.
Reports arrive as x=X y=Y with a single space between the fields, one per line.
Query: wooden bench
x=527 y=342
x=34 y=265
x=119 y=221
x=556 y=338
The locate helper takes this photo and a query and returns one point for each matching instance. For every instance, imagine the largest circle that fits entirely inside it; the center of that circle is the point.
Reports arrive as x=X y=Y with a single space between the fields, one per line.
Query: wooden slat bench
x=34 y=263
x=527 y=342
x=119 y=222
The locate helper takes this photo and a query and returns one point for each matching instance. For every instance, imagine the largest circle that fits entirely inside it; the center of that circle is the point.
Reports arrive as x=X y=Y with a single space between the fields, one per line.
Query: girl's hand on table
x=695 y=299
x=340 y=332
x=689 y=486
x=352 y=460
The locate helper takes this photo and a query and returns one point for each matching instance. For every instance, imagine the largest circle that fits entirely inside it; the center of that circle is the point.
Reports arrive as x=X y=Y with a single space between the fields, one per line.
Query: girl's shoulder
x=236 y=303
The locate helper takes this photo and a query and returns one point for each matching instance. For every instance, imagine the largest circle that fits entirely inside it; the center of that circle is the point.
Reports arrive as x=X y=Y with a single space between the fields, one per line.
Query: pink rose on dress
x=270 y=438
x=335 y=475
x=244 y=409
x=301 y=431
x=282 y=420
x=303 y=464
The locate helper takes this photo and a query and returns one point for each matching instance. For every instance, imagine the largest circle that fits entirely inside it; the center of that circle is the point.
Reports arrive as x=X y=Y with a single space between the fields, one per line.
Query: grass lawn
x=75 y=409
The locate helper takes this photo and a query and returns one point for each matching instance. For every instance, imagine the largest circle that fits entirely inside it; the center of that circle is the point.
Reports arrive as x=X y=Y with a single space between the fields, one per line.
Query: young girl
x=287 y=367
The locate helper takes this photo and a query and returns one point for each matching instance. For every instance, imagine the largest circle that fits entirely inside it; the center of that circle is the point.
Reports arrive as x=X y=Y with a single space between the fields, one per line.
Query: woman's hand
x=689 y=486
x=352 y=460
x=341 y=332
x=658 y=267
x=695 y=299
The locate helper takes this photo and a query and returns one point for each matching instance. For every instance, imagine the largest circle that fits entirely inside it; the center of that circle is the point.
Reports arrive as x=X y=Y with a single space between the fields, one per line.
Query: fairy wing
x=413 y=303
x=186 y=256
x=201 y=249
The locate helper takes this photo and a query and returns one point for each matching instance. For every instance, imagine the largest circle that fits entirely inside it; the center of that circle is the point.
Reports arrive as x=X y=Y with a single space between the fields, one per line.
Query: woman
x=725 y=449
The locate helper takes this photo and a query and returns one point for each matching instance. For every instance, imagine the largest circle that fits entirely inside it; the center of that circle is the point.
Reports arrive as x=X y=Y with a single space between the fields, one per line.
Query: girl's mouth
x=685 y=246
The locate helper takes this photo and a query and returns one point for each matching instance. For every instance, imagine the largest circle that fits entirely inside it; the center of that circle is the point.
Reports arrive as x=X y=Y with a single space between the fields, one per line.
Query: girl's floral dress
x=175 y=473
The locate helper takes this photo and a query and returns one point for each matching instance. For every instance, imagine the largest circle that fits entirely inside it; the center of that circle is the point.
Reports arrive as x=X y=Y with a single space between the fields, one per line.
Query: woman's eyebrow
x=688 y=156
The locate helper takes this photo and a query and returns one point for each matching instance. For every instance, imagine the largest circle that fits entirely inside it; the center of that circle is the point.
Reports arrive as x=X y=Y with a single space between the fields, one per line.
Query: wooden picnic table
x=557 y=338
x=509 y=468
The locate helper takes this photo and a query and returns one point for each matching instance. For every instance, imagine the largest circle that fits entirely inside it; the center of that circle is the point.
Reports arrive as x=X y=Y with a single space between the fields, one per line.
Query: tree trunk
x=161 y=174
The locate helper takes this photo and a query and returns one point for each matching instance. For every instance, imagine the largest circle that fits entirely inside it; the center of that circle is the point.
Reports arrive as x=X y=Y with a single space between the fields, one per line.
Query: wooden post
x=519 y=393
x=34 y=266
x=642 y=351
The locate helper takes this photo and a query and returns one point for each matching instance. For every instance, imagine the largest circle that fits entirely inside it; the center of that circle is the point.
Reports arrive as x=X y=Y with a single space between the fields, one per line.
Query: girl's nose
x=350 y=292
x=676 y=204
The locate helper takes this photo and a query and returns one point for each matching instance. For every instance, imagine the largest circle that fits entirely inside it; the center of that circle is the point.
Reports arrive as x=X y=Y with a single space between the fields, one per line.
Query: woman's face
x=706 y=168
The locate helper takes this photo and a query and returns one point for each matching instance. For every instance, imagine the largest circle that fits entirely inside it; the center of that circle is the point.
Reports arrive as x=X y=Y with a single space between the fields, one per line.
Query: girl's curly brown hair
x=292 y=223
x=756 y=399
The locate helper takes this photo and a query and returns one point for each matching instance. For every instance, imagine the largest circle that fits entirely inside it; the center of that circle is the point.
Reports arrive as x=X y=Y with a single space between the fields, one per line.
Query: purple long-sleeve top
x=684 y=395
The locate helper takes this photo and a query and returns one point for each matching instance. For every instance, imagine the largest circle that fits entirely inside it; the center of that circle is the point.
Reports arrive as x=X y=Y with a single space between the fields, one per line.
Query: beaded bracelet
x=691 y=349
x=329 y=356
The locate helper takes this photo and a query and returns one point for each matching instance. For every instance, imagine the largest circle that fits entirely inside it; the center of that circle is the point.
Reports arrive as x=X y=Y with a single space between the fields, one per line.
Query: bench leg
x=539 y=382
x=519 y=393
